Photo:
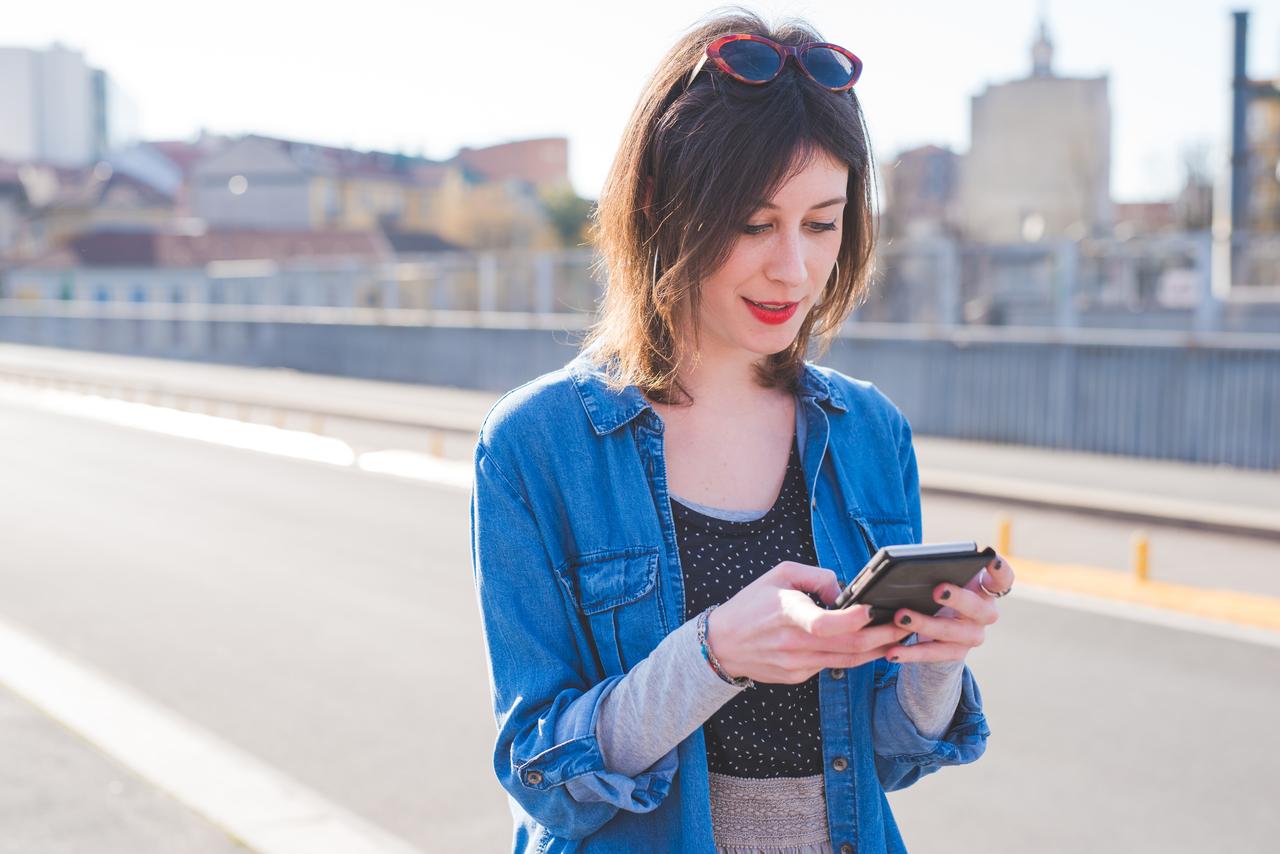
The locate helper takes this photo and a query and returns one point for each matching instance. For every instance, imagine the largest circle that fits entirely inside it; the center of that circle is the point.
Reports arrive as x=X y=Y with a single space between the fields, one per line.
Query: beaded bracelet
x=739 y=681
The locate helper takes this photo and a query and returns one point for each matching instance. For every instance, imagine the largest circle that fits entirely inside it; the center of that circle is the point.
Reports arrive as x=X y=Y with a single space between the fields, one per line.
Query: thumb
x=812 y=579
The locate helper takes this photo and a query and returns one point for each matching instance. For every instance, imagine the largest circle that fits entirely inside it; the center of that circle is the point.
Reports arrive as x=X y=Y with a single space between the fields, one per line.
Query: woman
x=657 y=527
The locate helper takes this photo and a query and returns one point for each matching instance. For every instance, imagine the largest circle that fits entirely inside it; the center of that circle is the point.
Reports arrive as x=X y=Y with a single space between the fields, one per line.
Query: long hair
x=694 y=163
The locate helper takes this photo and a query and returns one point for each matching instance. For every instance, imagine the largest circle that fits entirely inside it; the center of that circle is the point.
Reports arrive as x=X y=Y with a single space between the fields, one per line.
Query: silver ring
x=992 y=593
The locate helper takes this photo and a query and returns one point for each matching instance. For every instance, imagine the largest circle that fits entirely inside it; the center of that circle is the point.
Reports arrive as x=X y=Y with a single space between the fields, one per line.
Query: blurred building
x=1137 y=219
x=273 y=267
x=1039 y=164
x=55 y=109
x=264 y=182
x=1263 y=131
x=485 y=198
x=919 y=189
x=14 y=207
x=543 y=163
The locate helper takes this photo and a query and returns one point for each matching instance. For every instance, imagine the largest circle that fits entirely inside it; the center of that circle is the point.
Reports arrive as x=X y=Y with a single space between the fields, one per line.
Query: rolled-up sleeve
x=902 y=753
x=544 y=705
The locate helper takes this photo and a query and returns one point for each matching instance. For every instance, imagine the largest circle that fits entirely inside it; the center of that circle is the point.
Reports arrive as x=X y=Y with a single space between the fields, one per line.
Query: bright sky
x=429 y=76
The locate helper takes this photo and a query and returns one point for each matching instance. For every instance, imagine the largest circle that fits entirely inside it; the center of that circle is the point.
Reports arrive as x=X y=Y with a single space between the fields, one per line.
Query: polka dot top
x=769 y=730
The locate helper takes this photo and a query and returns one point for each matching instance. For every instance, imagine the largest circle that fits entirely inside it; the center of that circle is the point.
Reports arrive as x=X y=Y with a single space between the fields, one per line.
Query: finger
x=827 y=624
x=811 y=579
x=848 y=659
x=967 y=603
x=861 y=640
x=944 y=629
x=999 y=574
x=935 y=651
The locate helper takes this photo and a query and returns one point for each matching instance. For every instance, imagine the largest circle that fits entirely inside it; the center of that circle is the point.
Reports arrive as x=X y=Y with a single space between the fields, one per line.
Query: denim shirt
x=578 y=579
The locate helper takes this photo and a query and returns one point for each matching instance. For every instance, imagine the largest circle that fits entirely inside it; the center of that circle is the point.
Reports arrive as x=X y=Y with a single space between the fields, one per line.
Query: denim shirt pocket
x=613 y=589
x=879 y=531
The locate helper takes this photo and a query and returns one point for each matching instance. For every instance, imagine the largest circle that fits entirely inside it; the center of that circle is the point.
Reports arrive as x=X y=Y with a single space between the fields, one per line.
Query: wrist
x=704 y=642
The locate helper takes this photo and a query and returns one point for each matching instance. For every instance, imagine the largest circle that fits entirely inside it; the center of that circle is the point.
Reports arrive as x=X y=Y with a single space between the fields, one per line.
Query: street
x=323 y=619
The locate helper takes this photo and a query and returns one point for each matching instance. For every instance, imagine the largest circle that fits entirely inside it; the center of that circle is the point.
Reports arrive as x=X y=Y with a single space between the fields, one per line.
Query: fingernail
x=946 y=594
x=999 y=563
x=893 y=658
x=906 y=620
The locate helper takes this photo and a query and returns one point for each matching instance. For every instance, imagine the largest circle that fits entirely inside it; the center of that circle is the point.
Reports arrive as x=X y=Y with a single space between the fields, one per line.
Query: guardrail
x=1202 y=397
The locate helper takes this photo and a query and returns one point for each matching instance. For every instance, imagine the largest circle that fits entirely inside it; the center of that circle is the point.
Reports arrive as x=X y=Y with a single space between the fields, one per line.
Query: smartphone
x=905 y=576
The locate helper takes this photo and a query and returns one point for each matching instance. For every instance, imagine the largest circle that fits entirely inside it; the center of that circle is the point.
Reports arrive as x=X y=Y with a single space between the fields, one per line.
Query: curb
x=1111 y=505
x=1229 y=606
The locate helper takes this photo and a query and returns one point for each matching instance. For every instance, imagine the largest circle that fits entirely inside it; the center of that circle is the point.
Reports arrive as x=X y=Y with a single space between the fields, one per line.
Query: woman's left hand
x=961 y=624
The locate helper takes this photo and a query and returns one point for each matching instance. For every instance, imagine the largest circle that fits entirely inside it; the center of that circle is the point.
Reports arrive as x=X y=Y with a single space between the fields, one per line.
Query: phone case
x=905 y=576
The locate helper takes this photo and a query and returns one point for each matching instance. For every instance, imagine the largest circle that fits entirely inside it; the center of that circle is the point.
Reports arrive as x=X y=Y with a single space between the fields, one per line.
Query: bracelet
x=739 y=681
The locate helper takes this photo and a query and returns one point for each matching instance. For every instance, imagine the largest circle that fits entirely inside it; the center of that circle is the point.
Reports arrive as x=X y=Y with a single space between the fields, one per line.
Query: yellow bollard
x=1004 y=534
x=1141 y=553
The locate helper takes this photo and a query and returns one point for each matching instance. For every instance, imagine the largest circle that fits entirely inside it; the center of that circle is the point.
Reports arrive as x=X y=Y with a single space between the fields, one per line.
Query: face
x=754 y=305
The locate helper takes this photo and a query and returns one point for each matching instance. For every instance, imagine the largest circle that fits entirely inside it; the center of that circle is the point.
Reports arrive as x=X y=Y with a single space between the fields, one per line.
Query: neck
x=725 y=382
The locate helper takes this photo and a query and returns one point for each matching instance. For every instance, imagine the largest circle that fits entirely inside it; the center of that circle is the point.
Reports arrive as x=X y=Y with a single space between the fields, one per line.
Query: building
x=1263 y=132
x=542 y=163
x=1039 y=164
x=919 y=189
x=237 y=267
x=264 y=182
x=55 y=109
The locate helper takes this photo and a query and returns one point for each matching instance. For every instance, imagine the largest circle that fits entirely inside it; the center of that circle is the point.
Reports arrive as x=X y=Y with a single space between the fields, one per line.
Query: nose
x=786 y=261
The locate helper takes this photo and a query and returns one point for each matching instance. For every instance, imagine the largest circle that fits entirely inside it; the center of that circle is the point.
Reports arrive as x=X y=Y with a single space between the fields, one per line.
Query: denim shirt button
x=839 y=763
x=837 y=673
x=533 y=778
x=846 y=848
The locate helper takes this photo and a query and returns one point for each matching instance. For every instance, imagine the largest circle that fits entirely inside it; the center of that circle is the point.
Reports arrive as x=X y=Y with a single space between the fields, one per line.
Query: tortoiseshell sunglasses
x=757 y=60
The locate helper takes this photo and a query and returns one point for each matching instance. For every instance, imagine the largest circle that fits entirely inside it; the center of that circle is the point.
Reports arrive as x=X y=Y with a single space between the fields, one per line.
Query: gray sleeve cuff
x=928 y=692
x=675 y=678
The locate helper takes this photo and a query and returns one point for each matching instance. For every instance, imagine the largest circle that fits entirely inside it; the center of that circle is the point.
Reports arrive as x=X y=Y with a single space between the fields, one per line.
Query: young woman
x=658 y=527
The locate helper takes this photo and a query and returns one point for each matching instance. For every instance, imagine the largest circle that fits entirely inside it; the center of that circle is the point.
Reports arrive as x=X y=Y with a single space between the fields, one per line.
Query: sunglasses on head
x=757 y=60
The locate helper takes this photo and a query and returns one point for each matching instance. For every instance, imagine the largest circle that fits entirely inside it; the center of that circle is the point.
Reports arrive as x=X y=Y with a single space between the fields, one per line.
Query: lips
x=771 y=313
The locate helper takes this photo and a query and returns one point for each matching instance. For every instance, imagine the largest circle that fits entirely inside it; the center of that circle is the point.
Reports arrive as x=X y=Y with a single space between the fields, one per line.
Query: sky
x=429 y=77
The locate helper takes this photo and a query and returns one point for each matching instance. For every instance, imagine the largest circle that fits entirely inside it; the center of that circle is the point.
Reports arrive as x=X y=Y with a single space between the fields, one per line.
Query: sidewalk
x=1236 y=501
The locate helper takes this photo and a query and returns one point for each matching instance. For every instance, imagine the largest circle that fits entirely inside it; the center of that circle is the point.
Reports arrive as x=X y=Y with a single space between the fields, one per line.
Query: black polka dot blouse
x=768 y=730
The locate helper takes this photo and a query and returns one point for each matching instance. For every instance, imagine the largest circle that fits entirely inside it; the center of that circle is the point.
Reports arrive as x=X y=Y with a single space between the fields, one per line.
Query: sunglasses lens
x=829 y=67
x=752 y=60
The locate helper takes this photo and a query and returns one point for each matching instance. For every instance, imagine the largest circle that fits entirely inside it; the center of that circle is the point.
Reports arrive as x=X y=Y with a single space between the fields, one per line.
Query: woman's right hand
x=772 y=632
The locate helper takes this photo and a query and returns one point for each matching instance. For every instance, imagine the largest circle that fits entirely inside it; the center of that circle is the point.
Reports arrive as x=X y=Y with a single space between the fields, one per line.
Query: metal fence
x=1205 y=398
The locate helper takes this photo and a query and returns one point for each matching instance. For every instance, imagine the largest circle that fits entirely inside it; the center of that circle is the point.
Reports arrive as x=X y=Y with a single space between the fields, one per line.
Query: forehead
x=813 y=177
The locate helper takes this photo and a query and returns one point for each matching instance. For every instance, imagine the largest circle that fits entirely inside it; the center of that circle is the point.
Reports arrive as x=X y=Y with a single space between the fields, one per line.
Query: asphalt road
x=323 y=619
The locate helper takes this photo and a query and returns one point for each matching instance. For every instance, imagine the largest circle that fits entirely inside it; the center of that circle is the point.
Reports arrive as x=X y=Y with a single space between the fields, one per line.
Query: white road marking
x=233 y=433
x=457 y=474
x=1146 y=614
x=253 y=802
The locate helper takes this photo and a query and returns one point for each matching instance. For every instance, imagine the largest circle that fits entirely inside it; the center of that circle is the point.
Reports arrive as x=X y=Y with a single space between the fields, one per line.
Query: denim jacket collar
x=608 y=408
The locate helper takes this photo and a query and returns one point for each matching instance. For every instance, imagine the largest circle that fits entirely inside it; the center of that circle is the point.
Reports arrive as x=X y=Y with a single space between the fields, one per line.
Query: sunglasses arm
x=696 y=69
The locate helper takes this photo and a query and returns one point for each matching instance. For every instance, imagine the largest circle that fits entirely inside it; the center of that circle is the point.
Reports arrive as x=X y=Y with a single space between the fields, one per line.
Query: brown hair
x=678 y=193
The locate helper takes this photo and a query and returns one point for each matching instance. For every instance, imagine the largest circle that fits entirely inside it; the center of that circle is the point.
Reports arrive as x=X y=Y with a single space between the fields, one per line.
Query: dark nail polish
x=906 y=620
x=893 y=658
x=999 y=563
x=946 y=594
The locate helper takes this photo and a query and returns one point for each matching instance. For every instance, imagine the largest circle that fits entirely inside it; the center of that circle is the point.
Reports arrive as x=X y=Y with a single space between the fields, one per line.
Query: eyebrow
x=828 y=203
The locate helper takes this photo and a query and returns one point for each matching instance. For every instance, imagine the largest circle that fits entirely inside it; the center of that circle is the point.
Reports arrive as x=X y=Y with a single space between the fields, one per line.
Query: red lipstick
x=772 y=316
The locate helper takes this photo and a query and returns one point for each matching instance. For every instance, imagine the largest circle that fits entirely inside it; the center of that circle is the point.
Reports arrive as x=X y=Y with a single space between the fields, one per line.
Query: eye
x=824 y=226
x=754 y=229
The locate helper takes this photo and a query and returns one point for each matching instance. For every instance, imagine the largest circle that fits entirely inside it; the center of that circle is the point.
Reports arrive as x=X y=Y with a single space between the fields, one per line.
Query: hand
x=772 y=632
x=961 y=624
